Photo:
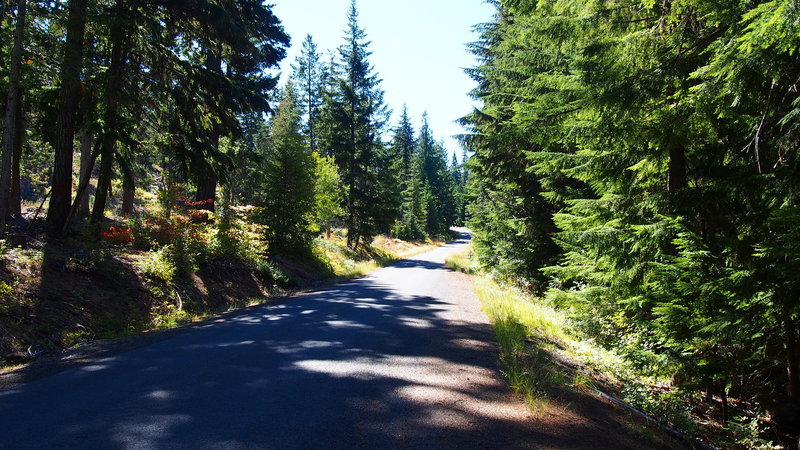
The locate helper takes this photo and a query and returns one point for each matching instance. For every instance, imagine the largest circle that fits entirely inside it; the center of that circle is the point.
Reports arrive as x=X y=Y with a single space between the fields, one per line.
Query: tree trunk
x=111 y=117
x=15 y=192
x=676 y=178
x=128 y=193
x=207 y=186
x=207 y=177
x=104 y=178
x=792 y=359
x=87 y=165
x=82 y=185
x=723 y=393
x=68 y=99
x=12 y=114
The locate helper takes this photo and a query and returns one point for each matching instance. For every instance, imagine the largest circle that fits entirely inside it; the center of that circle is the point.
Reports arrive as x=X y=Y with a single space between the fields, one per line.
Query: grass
x=546 y=362
x=535 y=341
x=463 y=261
x=345 y=263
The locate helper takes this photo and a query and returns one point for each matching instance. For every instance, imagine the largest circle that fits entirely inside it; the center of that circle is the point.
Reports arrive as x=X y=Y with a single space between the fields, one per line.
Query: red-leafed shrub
x=118 y=236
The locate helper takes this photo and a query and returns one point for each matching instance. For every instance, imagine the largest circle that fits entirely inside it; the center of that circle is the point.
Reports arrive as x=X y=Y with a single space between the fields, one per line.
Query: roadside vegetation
x=636 y=165
x=548 y=360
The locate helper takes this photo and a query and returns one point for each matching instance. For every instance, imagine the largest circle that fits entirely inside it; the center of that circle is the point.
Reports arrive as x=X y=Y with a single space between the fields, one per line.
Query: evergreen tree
x=403 y=145
x=11 y=120
x=401 y=154
x=69 y=97
x=657 y=140
x=310 y=75
x=437 y=178
x=288 y=197
x=416 y=198
x=355 y=119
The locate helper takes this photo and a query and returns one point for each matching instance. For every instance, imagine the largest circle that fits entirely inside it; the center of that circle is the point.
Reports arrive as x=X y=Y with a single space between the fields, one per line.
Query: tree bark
x=676 y=177
x=15 y=193
x=792 y=359
x=12 y=114
x=111 y=117
x=68 y=99
x=87 y=165
x=207 y=185
x=82 y=185
x=128 y=193
x=206 y=177
x=104 y=178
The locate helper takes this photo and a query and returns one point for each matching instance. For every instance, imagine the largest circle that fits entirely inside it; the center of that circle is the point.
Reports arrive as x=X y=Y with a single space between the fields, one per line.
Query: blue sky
x=418 y=49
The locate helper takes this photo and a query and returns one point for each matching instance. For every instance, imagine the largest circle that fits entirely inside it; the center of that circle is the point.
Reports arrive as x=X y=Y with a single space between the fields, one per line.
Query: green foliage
x=158 y=265
x=327 y=193
x=635 y=162
x=271 y=273
x=351 y=123
x=235 y=237
x=288 y=195
x=5 y=289
x=670 y=408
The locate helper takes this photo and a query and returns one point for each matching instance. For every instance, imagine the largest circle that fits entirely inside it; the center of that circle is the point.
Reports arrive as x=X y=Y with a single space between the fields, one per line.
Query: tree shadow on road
x=356 y=365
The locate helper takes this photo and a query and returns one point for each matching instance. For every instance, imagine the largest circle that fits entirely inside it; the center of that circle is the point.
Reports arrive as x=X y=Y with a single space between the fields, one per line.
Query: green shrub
x=5 y=289
x=158 y=265
x=270 y=272
x=232 y=240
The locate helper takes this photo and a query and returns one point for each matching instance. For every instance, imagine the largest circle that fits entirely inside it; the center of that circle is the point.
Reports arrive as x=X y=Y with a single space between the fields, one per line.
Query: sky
x=418 y=50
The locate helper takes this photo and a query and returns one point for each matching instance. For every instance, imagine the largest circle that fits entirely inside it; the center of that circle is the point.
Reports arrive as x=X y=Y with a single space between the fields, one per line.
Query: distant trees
x=166 y=98
x=632 y=163
x=311 y=76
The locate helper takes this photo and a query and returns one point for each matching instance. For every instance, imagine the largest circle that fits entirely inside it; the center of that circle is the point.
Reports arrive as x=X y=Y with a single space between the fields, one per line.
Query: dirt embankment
x=54 y=298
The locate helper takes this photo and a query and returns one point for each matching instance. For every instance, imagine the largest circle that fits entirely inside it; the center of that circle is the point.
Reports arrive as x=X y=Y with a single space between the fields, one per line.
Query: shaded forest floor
x=54 y=298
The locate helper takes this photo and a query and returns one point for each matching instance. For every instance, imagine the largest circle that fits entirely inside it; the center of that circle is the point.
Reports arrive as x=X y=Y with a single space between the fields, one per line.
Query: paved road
x=402 y=358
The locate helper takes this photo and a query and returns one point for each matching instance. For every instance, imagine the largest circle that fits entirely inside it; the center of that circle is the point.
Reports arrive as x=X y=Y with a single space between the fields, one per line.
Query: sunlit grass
x=463 y=260
x=532 y=335
x=345 y=263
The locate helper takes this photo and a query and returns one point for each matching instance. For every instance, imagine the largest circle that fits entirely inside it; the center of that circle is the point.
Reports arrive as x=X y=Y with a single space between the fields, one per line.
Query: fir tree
x=437 y=178
x=355 y=119
x=310 y=76
x=288 y=196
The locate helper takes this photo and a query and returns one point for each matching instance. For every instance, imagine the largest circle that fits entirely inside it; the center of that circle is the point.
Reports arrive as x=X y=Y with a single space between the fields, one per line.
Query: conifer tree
x=643 y=140
x=403 y=144
x=414 y=210
x=355 y=119
x=310 y=76
x=437 y=178
x=288 y=197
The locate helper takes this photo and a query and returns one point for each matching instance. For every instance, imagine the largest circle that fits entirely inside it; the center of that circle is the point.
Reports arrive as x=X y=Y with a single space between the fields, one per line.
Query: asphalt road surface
x=402 y=358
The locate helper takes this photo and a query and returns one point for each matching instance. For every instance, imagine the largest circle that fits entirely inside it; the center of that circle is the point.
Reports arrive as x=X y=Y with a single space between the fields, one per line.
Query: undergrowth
x=533 y=335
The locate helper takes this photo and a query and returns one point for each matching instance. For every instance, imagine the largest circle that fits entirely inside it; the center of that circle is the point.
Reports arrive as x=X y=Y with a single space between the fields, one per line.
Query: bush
x=118 y=236
x=270 y=272
x=233 y=239
x=158 y=265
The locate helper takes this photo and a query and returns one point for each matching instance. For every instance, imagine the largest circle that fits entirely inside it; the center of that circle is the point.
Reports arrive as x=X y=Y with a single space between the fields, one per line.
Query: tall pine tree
x=356 y=116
